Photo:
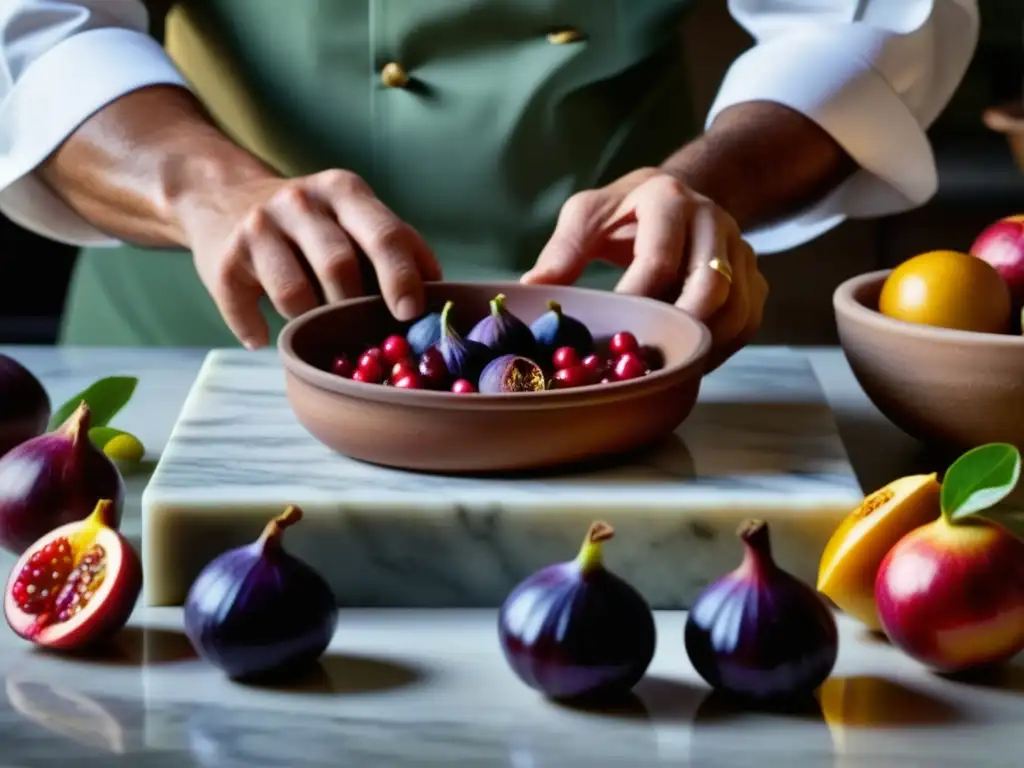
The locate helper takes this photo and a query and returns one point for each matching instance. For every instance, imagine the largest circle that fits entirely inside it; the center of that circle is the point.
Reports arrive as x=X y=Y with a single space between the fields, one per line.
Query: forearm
x=128 y=170
x=761 y=162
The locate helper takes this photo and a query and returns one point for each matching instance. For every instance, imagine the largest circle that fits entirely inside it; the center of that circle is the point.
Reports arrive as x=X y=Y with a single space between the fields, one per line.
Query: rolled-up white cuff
x=52 y=98
x=830 y=79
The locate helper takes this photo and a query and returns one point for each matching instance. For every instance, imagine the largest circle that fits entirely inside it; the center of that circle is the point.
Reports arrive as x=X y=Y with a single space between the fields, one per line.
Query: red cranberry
x=370 y=368
x=463 y=387
x=594 y=365
x=652 y=357
x=402 y=368
x=395 y=349
x=367 y=374
x=622 y=342
x=565 y=357
x=432 y=369
x=409 y=381
x=370 y=356
x=342 y=366
x=629 y=366
x=568 y=378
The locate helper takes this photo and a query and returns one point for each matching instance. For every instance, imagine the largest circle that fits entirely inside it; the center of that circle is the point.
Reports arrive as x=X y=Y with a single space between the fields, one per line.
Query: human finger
x=662 y=212
x=709 y=273
x=564 y=257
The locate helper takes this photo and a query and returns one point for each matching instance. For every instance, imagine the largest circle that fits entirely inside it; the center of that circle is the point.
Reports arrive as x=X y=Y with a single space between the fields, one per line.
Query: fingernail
x=406 y=308
x=249 y=344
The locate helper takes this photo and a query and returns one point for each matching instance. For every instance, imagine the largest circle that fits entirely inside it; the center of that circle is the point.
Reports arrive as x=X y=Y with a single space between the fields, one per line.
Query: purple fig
x=503 y=332
x=555 y=329
x=511 y=373
x=465 y=359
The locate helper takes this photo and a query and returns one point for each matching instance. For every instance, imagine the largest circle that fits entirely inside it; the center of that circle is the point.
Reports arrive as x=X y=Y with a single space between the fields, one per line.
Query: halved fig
x=76 y=586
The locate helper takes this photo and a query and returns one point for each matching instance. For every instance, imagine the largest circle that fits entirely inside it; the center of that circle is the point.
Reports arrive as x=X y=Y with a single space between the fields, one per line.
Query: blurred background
x=978 y=184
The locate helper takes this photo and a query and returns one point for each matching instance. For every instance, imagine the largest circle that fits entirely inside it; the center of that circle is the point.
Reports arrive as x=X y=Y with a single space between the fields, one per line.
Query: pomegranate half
x=76 y=586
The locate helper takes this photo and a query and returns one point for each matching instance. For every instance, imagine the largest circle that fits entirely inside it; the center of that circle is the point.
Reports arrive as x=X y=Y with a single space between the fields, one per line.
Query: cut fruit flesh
x=87 y=560
x=850 y=561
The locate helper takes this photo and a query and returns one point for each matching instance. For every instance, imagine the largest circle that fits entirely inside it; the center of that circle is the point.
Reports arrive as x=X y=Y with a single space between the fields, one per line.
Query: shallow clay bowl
x=953 y=389
x=455 y=434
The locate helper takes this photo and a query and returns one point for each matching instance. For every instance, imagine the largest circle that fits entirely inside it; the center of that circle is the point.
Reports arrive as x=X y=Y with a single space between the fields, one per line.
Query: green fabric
x=498 y=128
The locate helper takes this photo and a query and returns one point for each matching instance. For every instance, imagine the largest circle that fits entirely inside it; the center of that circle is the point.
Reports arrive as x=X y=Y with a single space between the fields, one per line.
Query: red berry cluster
x=393 y=364
x=626 y=359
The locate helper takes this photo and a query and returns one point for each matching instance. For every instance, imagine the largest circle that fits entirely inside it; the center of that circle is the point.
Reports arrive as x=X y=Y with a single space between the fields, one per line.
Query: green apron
x=512 y=106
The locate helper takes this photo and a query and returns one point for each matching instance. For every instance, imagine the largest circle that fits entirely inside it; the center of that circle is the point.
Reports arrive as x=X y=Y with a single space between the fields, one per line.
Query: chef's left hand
x=673 y=243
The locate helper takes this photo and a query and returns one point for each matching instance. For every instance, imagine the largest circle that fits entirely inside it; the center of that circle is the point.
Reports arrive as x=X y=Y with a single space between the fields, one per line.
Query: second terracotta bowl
x=953 y=389
x=453 y=434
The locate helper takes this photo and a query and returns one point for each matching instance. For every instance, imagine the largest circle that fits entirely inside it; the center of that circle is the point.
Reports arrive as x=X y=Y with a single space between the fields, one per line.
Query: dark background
x=978 y=184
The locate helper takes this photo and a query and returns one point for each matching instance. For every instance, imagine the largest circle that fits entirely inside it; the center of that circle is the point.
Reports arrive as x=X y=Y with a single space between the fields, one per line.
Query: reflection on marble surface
x=423 y=689
x=761 y=442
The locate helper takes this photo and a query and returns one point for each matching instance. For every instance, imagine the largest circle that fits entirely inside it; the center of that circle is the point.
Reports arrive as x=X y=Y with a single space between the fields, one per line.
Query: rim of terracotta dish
x=548 y=398
x=844 y=301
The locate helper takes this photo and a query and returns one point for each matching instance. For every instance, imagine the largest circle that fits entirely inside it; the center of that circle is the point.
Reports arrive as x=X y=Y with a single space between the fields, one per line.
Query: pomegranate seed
x=409 y=381
x=594 y=365
x=82 y=584
x=463 y=387
x=402 y=368
x=395 y=349
x=652 y=357
x=623 y=342
x=565 y=357
x=569 y=378
x=37 y=586
x=432 y=369
x=629 y=366
x=342 y=366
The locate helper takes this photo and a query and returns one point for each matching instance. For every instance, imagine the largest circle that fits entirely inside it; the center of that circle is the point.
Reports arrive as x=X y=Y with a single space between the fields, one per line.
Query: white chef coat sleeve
x=875 y=74
x=60 y=62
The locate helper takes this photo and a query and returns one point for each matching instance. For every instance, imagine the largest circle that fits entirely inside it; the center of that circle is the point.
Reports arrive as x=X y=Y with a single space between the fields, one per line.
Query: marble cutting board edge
x=762 y=442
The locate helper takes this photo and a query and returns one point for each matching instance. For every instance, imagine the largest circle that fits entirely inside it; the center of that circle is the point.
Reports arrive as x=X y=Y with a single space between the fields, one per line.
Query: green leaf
x=104 y=397
x=979 y=480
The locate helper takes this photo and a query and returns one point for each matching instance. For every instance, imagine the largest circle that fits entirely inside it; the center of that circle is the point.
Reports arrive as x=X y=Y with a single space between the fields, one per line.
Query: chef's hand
x=673 y=243
x=298 y=241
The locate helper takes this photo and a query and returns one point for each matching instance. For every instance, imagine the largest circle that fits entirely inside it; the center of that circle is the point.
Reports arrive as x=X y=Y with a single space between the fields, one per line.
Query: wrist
x=197 y=179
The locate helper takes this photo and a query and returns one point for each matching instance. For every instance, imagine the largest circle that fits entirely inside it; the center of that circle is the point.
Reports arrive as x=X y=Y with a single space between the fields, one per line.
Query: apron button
x=394 y=76
x=564 y=36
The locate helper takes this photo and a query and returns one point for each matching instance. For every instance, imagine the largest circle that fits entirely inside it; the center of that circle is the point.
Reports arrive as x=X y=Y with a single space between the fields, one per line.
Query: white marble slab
x=761 y=442
x=418 y=689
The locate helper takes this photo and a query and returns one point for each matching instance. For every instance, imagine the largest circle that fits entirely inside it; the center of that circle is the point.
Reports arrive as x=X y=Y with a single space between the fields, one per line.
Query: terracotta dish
x=454 y=434
x=954 y=389
x=1008 y=119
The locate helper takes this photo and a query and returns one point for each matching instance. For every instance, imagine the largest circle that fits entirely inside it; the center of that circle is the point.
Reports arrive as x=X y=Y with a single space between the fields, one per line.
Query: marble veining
x=761 y=441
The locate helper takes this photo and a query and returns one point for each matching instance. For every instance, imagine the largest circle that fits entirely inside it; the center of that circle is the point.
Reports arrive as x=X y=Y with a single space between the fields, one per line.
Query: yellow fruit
x=849 y=564
x=948 y=289
x=126 y=448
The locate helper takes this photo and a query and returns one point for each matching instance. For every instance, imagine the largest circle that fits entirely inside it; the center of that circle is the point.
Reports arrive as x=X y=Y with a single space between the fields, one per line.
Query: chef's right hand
x=296 y=240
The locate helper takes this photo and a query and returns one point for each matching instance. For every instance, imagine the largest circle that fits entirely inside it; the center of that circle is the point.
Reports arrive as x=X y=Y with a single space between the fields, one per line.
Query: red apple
x=951 y=596
x=1002 y=245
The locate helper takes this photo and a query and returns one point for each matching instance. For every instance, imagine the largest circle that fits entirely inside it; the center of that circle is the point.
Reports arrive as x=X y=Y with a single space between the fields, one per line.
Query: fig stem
x=275 y=528
x=102 y=516
x=590 y=556
x=77 y=424
x=498 y=304
x=757 y=542
x=555 y=307
x=446 y=312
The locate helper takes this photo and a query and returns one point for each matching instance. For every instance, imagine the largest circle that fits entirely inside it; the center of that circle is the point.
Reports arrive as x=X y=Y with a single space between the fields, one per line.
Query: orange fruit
x=948 y=289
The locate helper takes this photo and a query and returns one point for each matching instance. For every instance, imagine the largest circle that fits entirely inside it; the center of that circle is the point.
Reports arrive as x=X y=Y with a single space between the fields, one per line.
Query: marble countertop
x=422 y=688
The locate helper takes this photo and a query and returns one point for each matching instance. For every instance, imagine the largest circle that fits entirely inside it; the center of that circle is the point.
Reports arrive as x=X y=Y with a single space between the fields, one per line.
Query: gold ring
x=721 y=267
